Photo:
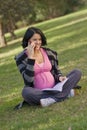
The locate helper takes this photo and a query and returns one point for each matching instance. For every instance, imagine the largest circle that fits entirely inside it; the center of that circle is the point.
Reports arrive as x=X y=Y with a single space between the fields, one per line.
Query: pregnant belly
x=44 y=80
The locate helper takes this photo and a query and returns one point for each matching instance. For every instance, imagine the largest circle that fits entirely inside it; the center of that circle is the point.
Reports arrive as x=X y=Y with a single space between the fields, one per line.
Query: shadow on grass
x=18 y=34
x=10 y=47
x=75 y=53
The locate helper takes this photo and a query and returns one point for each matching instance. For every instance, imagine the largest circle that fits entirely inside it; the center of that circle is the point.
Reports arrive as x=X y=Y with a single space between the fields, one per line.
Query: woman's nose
x=38 y=42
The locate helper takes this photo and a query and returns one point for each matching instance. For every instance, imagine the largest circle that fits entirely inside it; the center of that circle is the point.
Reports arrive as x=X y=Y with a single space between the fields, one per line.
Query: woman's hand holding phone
x=30 y=50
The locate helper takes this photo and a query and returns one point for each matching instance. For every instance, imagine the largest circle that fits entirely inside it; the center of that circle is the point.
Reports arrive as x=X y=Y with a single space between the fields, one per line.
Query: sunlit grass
x=10 y=52
x=67 y=24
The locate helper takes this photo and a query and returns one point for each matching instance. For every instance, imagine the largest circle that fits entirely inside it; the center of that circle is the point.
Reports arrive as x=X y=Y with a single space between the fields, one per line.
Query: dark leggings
x=33 y=95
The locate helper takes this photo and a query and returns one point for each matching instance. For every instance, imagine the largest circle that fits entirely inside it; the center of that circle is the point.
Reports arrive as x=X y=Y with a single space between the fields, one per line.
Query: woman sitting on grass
x=39 y=68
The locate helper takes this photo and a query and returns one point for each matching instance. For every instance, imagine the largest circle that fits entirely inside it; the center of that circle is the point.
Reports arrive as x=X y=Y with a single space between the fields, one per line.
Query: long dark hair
x=29 y=33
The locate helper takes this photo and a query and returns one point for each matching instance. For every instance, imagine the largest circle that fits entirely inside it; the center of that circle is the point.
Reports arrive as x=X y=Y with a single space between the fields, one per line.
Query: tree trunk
x=2 y=38
x=11 y=27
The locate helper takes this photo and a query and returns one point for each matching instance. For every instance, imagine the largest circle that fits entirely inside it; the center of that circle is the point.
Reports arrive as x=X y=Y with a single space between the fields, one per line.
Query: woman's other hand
x=62 y=78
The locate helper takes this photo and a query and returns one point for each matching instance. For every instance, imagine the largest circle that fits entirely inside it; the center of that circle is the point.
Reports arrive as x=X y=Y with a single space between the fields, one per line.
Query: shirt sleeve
x=26 y=68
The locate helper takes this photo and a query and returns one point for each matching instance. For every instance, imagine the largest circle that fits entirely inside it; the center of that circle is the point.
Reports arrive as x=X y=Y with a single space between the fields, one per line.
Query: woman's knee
x=26 y=92
x=78 y=72
x=29 y=92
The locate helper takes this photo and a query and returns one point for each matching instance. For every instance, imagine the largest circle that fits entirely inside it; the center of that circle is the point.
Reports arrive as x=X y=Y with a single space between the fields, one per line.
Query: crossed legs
x=33 y=95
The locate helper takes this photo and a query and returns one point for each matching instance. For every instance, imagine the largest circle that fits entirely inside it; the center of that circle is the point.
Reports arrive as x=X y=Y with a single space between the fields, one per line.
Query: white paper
x=57 y=87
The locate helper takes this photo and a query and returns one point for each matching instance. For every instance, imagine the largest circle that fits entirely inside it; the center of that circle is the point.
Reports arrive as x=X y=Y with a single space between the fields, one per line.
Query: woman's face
x=36 y=41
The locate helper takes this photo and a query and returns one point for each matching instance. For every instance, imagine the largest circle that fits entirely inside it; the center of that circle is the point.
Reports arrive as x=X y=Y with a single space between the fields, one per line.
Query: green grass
x=68 y=36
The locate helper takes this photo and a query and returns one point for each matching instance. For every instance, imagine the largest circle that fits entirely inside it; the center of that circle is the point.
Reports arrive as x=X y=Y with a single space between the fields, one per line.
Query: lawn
x=68 y=36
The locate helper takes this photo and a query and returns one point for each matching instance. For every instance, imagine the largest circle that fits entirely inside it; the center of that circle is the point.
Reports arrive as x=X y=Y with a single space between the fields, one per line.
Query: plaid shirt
x=26 y=66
